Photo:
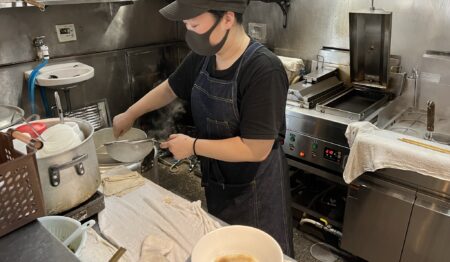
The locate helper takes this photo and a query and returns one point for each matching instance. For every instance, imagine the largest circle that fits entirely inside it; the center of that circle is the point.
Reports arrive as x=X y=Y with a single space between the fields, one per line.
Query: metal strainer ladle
x=128 y=151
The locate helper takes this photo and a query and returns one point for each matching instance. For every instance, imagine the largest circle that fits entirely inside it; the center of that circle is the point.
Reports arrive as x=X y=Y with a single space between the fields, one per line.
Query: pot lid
x=10 y=115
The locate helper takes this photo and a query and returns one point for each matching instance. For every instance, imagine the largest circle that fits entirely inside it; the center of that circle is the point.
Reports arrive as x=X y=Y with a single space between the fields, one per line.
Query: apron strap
x=247 y=55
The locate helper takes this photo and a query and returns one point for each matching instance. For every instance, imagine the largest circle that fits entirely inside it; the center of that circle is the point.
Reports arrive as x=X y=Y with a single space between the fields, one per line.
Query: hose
x=324 y=192
x=31 y=86
x=45 y=101
x=319 y=225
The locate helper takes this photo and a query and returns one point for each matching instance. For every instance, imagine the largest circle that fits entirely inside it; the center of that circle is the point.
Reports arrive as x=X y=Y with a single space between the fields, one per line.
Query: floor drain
x=323 y=252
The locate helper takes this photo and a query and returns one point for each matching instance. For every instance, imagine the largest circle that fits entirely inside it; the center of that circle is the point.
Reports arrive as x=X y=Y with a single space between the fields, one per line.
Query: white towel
x=372 y=149
x=120 y=181
x=155 y=249
x=152 y=211
x=96 y=249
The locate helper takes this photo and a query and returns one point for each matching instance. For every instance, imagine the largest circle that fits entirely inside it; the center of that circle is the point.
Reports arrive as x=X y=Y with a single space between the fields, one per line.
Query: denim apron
x=252 y=194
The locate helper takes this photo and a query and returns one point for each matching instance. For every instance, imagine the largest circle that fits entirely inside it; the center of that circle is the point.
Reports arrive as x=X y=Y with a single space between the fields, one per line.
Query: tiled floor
x=188 y=186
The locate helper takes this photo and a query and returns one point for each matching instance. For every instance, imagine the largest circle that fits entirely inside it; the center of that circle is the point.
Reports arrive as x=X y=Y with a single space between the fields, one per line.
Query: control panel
x=316 y=151
x=332 y=155
x=66 y=33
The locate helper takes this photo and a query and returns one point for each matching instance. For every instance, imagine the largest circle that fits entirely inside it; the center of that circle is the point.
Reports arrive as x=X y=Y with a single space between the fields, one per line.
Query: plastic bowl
x=237 y=240
x=39 y=127
x=61 y=228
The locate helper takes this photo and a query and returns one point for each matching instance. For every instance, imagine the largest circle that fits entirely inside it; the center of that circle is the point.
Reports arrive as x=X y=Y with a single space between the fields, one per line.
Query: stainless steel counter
x=394 y=215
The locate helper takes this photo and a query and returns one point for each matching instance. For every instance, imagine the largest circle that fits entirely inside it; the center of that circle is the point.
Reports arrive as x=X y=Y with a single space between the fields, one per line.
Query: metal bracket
x=284 y=5
x=37 y=4
x=54 y=171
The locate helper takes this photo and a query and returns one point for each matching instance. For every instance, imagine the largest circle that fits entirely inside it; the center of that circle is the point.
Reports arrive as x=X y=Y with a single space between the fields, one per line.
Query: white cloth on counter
x=152 y=212
x=97 y=249
x=120 y=180
x=155 y=249
x=292 y=66
x=372 y=149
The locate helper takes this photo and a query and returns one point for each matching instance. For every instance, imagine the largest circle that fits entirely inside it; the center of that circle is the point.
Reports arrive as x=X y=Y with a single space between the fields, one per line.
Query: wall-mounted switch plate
x=66 y=33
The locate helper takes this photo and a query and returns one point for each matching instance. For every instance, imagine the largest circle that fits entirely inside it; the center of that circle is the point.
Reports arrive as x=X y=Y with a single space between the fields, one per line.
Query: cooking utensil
x=431 y=147
x=29 y=141
x=10 y=115
x=78 y=232
x=72 y=176
x=137 y=141
x=106 y=135
x=127 y=151
x=59 y=108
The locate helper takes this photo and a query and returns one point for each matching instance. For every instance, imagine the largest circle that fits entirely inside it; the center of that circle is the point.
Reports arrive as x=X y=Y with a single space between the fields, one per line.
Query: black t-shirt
x=262 y=91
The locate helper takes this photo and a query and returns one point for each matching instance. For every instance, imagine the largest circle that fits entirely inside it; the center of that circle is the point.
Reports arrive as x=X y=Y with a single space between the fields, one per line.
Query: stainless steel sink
x=414 y=123
x=441 y=138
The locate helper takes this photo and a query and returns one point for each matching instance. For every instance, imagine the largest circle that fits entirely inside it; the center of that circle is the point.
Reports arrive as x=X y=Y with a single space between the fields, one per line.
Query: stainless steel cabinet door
x=428 y=237
x=376 y=219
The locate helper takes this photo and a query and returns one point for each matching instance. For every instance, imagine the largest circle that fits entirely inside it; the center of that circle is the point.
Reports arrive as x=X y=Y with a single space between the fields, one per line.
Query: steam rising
x=163 y=123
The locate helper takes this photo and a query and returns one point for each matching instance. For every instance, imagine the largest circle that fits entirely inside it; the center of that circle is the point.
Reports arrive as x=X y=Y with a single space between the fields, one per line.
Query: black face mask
x=200 y=43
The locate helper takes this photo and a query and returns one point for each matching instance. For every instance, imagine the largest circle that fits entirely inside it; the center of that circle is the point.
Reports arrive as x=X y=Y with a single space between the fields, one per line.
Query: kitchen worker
x=237 y=91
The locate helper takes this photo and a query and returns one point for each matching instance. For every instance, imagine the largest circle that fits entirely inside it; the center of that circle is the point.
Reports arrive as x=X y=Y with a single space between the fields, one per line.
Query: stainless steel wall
x=107 y=36
x=99 y=27
x=418 y=25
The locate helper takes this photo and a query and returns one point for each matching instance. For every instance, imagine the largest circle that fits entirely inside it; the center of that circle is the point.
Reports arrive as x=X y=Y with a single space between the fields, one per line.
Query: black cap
x=186 y=9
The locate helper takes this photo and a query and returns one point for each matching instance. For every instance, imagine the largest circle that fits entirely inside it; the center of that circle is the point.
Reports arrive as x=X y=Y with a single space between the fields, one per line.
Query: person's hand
x=181 y=146
x=122 y=123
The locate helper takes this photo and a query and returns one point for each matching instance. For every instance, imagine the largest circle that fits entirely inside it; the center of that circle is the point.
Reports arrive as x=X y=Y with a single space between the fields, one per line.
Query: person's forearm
x=158 y=97
x=234 y=149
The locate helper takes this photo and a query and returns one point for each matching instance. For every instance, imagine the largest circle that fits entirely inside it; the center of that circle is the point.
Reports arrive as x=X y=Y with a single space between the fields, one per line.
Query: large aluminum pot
x=71 y=177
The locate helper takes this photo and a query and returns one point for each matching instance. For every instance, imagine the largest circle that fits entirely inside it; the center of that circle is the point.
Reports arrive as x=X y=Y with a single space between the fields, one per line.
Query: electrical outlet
x=66 y=33
x=258 y=32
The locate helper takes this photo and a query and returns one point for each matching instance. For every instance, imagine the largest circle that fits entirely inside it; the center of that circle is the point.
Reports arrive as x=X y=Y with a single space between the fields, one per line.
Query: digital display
x=64 y=31
x=332 y=154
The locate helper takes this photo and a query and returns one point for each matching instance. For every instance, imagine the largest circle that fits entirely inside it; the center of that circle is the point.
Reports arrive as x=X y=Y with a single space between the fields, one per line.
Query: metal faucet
x=430 y=120
x=372 y=7
x=42 y=49
x=415 y=76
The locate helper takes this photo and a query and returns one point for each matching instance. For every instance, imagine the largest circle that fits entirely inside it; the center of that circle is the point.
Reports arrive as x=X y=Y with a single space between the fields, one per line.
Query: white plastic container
x=76 y=129
x=59 y=138
x=61 y=227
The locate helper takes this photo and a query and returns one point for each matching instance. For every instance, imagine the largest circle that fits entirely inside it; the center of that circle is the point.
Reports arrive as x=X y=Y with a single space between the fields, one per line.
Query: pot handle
x=77 y=162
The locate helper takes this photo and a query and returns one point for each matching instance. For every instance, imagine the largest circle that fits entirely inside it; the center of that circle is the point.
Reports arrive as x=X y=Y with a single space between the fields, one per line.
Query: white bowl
x=57 y=139
x=233 y=240
x=62 y=227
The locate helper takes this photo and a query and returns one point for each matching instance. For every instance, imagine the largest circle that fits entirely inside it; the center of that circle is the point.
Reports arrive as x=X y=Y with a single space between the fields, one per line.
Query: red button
x=302 y=154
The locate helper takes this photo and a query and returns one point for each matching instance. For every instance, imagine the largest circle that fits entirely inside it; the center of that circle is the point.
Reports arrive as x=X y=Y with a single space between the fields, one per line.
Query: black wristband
x=193 y=147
